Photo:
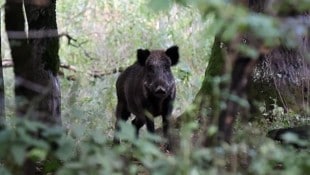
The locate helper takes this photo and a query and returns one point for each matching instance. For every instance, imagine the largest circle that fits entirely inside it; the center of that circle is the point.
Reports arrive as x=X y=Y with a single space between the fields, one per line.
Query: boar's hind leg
x=122 y=113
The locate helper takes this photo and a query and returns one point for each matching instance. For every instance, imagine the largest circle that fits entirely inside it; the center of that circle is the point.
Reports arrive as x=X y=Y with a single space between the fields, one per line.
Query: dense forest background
x=98 y=39
x=97 y=52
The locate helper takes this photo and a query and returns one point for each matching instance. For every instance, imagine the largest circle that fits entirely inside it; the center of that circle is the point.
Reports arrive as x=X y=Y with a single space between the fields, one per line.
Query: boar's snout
x=160 y=91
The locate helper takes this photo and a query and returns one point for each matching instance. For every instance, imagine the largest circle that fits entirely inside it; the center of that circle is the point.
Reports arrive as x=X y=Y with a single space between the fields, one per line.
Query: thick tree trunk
x=2 y=97
x=35 y=58
x=242 y=68
x=280 y=74
x=283 y=74
x=36 y=62
x=202 y=100
x=237 y=69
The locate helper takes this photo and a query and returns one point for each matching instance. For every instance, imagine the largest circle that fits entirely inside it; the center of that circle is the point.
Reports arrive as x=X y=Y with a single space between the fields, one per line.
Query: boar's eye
x=151 y=68
x=166 y=67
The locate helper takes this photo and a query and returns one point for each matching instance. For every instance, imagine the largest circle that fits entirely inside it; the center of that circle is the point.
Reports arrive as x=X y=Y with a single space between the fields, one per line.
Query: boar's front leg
x=150 y=124
x=138 y=122
x=166 y=132
x=166 y=123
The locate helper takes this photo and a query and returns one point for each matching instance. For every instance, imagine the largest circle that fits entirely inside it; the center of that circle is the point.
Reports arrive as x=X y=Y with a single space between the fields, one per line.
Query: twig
x=69 y=67
x=51 y=33
x=98 y=74
x=6 y=63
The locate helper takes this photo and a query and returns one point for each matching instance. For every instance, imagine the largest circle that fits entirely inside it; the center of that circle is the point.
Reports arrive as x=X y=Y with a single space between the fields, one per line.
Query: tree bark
x=283 y=76
x=208 y=99
x=36 y=59
x=202 y=100
x=237 y=69
x=36 y=63
x=2 y=97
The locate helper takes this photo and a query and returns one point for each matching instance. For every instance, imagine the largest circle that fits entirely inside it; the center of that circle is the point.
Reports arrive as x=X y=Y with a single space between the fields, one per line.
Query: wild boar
x=147 y=89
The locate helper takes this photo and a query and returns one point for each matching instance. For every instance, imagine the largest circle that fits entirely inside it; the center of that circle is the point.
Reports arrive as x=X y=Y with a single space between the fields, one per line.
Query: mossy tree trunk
x=278 y=75
x=227 y=90
x=201 y=100
x=231 y=73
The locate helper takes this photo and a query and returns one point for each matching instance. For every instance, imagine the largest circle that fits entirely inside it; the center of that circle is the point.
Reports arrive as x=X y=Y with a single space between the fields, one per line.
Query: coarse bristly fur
x=147 y=89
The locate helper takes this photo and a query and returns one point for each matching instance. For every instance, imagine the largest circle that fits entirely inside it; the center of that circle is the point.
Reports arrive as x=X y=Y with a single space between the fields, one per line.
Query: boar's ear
x=173 y=54
x=142 y=55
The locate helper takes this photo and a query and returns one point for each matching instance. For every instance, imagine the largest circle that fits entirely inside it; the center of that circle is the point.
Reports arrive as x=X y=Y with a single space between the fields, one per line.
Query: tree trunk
x=283 y=74
x=201 y=100
x=36 y=62
x=236 y=70
x=289 y=89
x=2 y=97
x=35 y=58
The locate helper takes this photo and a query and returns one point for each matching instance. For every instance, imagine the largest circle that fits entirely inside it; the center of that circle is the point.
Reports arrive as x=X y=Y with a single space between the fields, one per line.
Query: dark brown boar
x=147 y=89
x=302 y=134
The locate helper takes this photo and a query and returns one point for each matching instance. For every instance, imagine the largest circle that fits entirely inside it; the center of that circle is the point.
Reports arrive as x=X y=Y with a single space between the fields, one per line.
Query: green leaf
x=127 y=132
x=78 y=131
x=18 y=152
x=4 y=171
x=248 y=51
x=158 y=5
x=212 y=130
x=66 y=171
x=52 y=164
x=66 y=149
x=5 y=140
x=4 y=136
x=99 y=137
x=53 y=132
x=37 y=154
x=74 y=165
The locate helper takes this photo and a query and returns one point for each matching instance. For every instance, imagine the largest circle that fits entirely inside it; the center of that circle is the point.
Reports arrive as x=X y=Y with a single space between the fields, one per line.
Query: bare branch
x=69 y=67
x=97 y=74
x=37 y=34
x=6 y=63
